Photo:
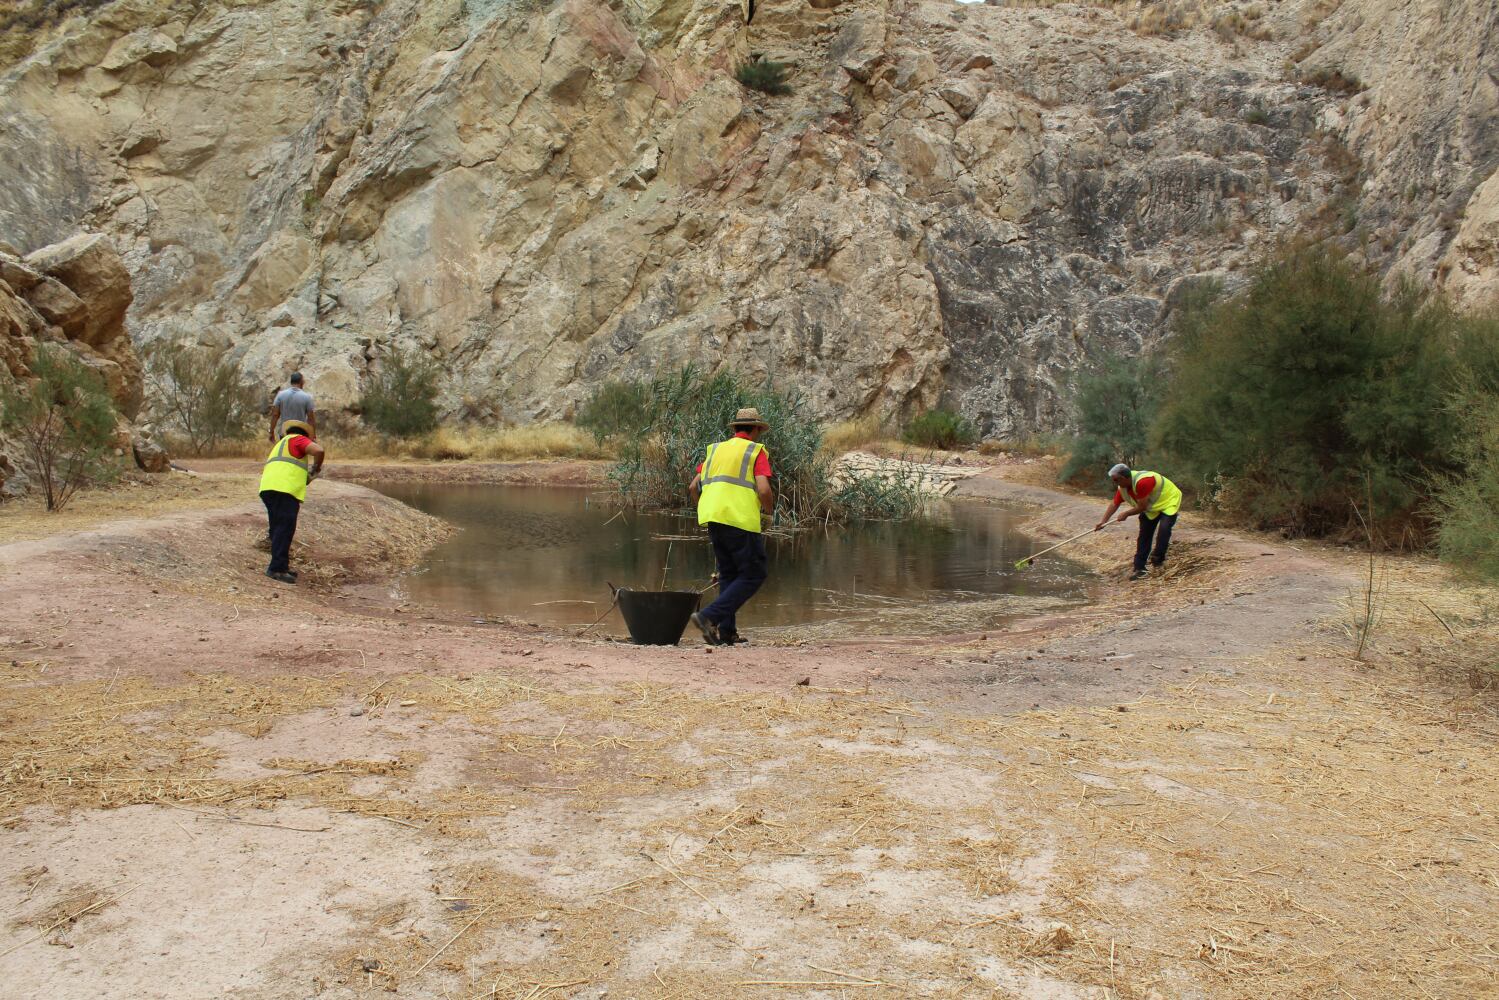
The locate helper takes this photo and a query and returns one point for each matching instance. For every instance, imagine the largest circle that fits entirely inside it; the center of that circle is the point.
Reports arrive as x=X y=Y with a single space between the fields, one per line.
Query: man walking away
x=1156 y=500
x=293 y=403
x=283 y=487
x=732 y=490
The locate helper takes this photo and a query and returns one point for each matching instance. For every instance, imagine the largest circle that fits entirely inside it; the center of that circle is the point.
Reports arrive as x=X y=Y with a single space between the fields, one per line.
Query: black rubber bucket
x=656 y=617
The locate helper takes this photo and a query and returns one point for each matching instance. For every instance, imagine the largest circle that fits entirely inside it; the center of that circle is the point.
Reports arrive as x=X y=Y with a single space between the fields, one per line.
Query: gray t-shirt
x=294 y=404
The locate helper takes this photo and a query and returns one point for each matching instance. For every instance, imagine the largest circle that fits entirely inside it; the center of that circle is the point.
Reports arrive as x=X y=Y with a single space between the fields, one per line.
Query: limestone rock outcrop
x=75 y=293
x=957 y=204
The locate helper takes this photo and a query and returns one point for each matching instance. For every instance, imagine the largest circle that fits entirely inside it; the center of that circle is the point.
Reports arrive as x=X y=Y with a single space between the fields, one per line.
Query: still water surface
x=544 y=554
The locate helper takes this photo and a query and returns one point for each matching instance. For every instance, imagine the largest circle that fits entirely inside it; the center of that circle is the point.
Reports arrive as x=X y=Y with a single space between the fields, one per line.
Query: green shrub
x=687 y=410
x=200 y=394
x=764 y=75
x=1294 y=391
x=1466 y=501
x=1114 y=406
x=939 y=429
x=65 y=422
x=400 y=399
x=615 y=409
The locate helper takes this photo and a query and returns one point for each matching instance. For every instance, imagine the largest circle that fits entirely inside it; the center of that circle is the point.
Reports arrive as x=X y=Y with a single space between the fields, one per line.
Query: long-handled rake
x=1022 y=564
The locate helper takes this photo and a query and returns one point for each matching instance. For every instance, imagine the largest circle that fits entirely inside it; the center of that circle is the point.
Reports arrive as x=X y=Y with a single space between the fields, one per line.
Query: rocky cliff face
x=964 y=204
x=73 y=293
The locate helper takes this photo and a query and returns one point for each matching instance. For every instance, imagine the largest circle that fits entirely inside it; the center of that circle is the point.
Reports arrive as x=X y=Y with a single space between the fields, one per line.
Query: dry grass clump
x=1414 y=609
x=504 y=444
x=1228 y=19
x=854 y=435
x=1330 y=79
x=467 y=443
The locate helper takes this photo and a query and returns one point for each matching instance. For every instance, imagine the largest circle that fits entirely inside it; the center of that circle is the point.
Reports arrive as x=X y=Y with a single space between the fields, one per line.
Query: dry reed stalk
x=70 y=918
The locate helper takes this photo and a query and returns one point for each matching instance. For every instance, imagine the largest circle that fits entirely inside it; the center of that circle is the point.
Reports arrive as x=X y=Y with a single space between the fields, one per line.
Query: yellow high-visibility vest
x=728 y=486
x=283 y=473
x=1164 y=499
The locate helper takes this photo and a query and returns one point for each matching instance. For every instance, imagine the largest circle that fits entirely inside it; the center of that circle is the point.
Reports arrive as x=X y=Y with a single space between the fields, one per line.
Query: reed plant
x=686 y=410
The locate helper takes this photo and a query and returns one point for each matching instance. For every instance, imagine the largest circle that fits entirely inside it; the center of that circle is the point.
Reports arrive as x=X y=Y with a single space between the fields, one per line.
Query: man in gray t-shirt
x=293 y=404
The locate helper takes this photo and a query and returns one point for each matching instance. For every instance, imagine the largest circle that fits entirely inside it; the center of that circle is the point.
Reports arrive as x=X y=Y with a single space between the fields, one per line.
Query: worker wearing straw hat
x=295 y=460
x=732 y=491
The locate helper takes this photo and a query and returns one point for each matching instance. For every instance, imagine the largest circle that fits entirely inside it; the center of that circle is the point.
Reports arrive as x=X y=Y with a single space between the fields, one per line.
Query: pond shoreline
x=539 y=553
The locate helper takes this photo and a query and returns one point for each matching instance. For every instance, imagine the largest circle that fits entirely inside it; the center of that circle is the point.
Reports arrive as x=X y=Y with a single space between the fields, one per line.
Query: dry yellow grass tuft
x=517 y=443
x=509 y=444
x=855 y=435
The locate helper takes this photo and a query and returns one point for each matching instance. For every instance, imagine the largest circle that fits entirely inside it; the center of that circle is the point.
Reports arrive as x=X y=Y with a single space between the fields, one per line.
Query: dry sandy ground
x=213 y=785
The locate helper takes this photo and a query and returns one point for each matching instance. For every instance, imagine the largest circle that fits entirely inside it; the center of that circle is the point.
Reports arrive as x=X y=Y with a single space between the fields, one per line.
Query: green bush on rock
x=65 y=422
x=939 y=429
x=686 y=410
x=400 y=399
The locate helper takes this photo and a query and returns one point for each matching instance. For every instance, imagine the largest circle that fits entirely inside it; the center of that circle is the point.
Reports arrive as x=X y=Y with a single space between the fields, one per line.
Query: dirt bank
x=217 y=785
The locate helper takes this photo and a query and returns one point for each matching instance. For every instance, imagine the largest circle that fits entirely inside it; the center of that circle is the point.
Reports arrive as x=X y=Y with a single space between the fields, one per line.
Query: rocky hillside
x=957 y=203
x=76 y=294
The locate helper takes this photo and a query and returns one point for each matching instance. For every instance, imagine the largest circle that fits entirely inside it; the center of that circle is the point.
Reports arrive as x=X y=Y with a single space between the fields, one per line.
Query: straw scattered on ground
x=1310 y=831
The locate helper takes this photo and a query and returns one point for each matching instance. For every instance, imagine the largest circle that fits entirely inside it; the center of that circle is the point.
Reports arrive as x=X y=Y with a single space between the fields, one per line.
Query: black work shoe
x=281 y=577
x=709 y=630
x=1138 y=574
x=732 y=638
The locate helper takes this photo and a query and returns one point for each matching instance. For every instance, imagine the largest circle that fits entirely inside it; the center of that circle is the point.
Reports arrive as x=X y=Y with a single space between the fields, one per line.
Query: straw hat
x=748 y=417
x=296 y=425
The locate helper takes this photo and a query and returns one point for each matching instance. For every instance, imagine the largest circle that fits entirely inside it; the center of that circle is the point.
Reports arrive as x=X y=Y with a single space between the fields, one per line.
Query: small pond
x=544 y=554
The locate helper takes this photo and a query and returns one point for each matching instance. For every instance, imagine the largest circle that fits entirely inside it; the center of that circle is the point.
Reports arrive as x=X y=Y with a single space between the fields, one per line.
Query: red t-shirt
x=1142 y=490
x=297 y=446
x=762 y=461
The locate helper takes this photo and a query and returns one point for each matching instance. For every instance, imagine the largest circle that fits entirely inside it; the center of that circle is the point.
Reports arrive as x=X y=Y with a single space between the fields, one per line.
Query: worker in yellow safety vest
x=295 y=460
x=1156 y=501
x=732 y=491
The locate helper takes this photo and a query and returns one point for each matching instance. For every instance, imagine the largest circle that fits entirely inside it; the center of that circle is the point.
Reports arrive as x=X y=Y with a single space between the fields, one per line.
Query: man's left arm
x=695 y=488
x=316 y=453
x=763 y=491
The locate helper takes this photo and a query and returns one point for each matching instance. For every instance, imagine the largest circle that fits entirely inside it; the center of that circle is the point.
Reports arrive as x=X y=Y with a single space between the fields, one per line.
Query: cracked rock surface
x=957 y=204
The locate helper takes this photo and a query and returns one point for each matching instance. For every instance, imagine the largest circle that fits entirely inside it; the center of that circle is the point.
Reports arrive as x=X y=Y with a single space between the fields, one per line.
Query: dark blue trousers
x=742 y=568
x=1159 y=528
x=281 y=511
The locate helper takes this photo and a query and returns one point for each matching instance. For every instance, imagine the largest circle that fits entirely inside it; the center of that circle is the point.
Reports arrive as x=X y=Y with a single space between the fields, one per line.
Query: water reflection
x=544 y=555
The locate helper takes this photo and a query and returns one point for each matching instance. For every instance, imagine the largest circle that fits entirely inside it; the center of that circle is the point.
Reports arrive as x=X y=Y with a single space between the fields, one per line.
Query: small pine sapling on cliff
x=764 y=75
